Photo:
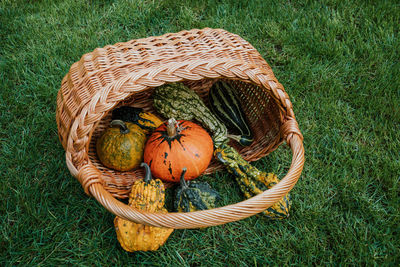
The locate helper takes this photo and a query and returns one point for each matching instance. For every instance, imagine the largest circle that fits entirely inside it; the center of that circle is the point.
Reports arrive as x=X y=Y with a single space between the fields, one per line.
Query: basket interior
x=262 y=114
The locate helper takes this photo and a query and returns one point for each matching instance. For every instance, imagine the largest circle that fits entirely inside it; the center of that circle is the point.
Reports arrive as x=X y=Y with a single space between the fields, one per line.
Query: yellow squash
x=147 y=195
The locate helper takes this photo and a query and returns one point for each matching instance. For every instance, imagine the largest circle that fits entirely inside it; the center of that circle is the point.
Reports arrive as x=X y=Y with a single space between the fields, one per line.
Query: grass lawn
x=339 y=62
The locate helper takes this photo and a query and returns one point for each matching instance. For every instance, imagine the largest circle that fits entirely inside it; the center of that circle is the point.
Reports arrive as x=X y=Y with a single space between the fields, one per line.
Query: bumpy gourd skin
x=195 y=195
x=252 y=181
x=138 y=237
x=180 y=102
x=147 y=195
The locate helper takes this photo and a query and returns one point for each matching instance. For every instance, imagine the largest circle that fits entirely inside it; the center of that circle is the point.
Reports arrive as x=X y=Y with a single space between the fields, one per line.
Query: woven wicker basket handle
x=290 y=131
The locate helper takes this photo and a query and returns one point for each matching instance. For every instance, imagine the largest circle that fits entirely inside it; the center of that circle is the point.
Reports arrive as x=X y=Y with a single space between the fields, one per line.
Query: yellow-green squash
x=121 y=146
x=145 y=120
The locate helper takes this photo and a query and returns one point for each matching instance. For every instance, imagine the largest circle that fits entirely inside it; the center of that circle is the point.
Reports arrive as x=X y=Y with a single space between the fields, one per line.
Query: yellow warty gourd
x=147 y=195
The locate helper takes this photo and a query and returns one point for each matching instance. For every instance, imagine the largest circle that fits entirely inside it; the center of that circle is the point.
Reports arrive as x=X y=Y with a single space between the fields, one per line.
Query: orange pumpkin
x=177 y=145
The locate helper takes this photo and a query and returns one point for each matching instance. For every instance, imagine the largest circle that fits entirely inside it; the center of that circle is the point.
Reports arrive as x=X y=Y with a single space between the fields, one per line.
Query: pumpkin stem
x=183 y=182
x=122 y=126
x=171 y=127
x=147 y=176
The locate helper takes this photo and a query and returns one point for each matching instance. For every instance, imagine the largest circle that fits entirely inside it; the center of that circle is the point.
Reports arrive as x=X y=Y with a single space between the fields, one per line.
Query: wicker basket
x=127 y=73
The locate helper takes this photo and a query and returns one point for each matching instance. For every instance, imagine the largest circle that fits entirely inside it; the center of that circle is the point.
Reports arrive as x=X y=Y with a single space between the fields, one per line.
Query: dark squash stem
x=147 y=176
x=183 y=182
x=122 y=126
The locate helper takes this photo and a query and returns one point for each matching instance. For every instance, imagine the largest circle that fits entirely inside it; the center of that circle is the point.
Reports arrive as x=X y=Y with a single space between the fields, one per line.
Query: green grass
x=339 y=62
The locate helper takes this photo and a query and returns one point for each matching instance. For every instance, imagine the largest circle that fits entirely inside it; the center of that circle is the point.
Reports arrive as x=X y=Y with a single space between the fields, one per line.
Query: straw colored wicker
x=126 y=74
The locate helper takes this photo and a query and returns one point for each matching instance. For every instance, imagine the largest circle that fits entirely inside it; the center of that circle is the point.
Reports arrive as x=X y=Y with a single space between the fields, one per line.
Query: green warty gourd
x=194 y=195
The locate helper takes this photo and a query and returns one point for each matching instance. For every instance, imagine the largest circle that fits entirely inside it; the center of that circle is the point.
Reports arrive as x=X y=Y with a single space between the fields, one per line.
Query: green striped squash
x=225 y=105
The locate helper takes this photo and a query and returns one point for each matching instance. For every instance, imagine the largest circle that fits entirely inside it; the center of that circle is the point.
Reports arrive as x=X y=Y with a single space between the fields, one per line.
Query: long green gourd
x=180 y=102
x=252 y=181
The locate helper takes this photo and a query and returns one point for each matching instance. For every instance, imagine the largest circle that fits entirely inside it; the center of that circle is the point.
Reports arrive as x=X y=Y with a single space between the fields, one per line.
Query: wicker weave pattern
x=108 y=76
